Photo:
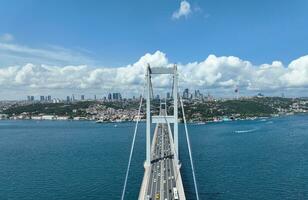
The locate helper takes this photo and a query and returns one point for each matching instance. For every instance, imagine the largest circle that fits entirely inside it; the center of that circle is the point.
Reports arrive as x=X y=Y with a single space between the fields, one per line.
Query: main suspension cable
x=133 y=144
x=189 y=149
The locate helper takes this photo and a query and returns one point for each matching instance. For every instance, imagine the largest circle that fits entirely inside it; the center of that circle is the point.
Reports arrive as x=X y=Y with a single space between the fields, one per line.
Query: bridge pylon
x=162 y=177
x=171 y=119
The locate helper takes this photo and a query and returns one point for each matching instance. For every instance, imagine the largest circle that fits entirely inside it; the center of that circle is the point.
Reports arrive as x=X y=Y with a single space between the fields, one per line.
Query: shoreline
x=216 y=120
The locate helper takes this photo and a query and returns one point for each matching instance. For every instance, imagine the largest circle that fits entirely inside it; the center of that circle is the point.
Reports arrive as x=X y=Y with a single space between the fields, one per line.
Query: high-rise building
x=168 y=95
x=186 y=94
x=82 y=97
x=48 y=98
x=68 y=98
x=30 y=98
x=109 y=97
x=198 y=94
x=116 y=96
x=282 y=95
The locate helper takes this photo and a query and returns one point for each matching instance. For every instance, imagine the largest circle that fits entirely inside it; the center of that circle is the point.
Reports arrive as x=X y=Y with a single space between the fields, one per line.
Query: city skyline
x=217 y=47
x=185 y=94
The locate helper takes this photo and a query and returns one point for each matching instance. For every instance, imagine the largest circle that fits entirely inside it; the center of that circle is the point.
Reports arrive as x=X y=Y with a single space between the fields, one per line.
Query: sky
x=95 y=47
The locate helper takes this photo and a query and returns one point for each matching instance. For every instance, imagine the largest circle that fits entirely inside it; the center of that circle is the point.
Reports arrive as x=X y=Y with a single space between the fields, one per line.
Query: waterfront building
x=48 y=117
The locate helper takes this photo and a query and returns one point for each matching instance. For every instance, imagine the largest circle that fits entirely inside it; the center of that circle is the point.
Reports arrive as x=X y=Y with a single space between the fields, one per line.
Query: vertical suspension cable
x=172 y=87
x=133 y=144
x=189 y=149
x=152 y=92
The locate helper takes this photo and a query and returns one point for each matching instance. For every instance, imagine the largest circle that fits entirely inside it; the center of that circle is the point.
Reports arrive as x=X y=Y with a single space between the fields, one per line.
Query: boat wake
x=245 y=131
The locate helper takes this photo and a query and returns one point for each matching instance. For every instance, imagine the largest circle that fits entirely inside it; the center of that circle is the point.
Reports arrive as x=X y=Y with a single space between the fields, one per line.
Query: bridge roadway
x=162 y=175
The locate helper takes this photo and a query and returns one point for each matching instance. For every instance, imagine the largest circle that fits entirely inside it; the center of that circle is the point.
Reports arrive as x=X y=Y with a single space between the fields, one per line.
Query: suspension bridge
x=162 y=177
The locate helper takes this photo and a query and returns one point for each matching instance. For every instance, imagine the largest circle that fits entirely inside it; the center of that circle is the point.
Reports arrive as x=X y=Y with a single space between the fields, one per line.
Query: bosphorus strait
x=67 y=160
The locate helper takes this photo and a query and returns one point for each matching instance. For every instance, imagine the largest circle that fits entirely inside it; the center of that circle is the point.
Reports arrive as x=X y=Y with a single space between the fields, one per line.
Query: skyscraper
x=168 y=95
x=30 y=98
x=109 y=97
x=42 y=98
x=82 y=97
x=198 y=94
x=186 y=94
x=116 y=96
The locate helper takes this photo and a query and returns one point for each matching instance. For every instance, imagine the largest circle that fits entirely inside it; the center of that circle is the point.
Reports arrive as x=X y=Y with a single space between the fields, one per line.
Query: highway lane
x=162 y=177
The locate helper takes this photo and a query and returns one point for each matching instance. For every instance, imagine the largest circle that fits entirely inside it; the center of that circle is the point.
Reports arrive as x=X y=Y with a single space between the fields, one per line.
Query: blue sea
x=82 y=160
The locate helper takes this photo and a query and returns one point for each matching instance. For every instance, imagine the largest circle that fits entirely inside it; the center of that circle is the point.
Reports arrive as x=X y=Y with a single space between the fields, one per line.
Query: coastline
x=217 y=119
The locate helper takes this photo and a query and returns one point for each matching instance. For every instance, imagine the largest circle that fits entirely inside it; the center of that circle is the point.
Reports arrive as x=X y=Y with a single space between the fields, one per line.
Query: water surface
x=64 y=160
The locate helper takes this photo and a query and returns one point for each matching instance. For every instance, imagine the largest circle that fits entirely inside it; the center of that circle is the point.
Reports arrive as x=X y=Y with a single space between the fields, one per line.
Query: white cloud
x=219 y=73
x=183 y=11
x=6 y=37
x=14 y=54
x=297 y=73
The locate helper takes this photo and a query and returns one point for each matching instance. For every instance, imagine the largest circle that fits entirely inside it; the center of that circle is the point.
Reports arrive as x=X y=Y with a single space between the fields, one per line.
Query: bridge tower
x=158 y=119
x=162 y=178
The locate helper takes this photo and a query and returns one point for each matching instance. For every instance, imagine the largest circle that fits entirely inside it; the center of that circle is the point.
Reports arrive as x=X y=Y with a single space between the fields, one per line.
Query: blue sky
x=118 y=32
x=112 y=34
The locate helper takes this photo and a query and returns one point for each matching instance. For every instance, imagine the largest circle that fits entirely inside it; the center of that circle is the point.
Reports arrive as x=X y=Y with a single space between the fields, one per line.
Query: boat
x=100 y=121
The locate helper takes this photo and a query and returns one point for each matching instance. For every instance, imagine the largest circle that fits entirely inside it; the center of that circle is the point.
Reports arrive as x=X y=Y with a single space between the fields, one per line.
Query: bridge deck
x=163 y=175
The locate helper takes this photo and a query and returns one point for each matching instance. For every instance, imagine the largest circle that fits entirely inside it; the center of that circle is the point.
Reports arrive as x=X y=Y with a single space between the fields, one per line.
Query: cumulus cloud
x=32 y=77
x=6 y=37
x=297 y=73
x=183 y=11
x=212 y=73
